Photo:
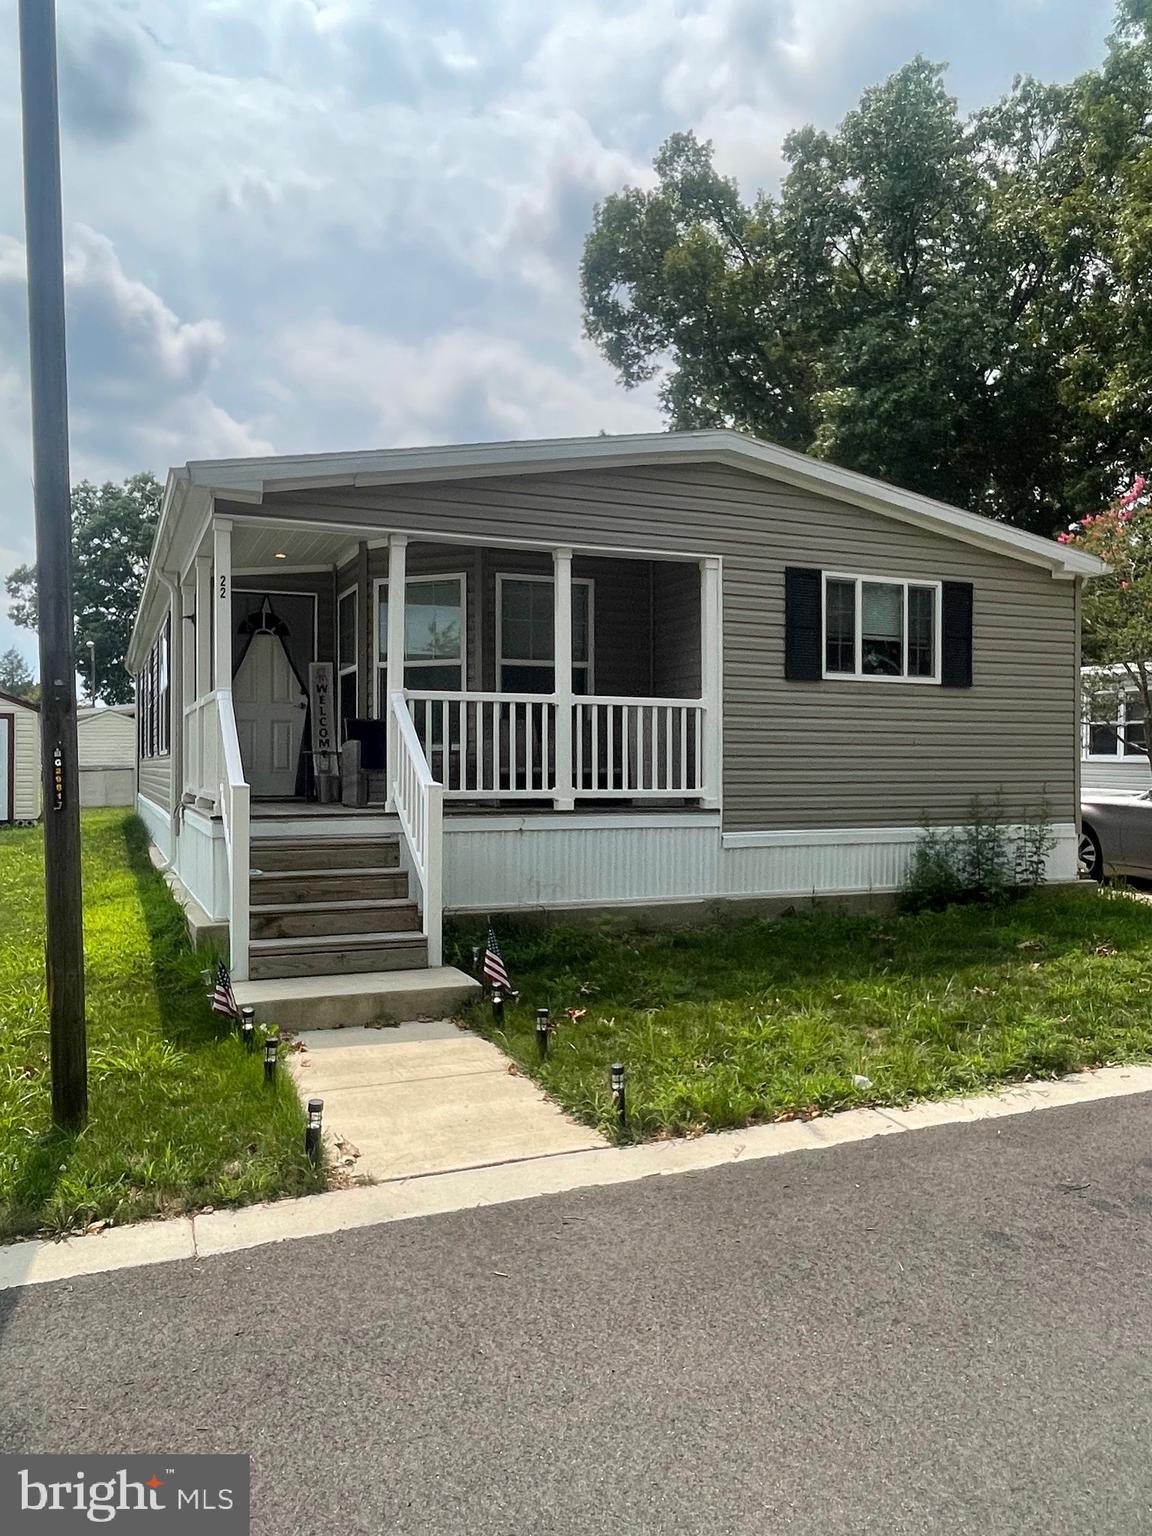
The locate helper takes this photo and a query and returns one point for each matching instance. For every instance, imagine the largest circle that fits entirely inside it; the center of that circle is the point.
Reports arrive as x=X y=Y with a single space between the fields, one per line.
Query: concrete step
x=368 y=997
x=303 y=920
x=286 y=853
x=336 y=954
x=277 y=888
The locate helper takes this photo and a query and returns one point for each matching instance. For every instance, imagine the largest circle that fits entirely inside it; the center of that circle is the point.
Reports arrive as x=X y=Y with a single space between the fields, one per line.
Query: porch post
x=711 y=679
x=189 y=692
x=397 y=598
x=562 y=654
x=177 y=668
x=222 y=605
x=203 y=657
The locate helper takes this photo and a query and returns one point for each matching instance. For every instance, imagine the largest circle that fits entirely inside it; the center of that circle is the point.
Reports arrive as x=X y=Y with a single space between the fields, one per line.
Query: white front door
x=269 y=705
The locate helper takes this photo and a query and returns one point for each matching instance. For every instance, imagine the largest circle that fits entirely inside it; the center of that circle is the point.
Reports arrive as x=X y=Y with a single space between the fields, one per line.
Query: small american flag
x=493 y=967
x=222 y=998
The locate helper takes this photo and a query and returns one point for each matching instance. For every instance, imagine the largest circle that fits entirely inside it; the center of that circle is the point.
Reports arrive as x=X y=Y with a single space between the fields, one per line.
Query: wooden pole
x=64 y=946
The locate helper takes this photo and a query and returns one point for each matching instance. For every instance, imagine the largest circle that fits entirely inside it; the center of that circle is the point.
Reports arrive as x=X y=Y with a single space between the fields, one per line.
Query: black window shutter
x=956 y=633
x=803 y=640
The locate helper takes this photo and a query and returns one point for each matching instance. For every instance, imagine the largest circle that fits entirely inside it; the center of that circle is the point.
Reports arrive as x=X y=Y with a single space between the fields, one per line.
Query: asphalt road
x=946 y=1331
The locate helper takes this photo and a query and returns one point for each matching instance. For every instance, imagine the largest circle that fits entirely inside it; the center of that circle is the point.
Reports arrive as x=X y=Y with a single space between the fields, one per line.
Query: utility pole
x=64 y=947
x=92 y=673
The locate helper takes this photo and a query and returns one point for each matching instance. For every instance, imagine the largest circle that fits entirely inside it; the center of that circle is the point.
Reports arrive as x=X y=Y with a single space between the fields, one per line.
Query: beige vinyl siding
x=156 y=780
x=801 y=755
x=106 y=739
x=26 y=750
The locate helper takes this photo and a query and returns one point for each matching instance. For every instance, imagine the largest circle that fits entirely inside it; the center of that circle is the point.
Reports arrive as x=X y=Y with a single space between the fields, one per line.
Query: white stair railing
x=419 y=804
x=235 y=812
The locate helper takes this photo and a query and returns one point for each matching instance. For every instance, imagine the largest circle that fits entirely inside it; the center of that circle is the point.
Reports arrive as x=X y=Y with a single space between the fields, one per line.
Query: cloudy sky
x=298 y=225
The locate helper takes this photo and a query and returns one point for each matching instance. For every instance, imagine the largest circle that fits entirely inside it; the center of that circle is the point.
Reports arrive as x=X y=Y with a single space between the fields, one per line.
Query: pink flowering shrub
x=1117 y=607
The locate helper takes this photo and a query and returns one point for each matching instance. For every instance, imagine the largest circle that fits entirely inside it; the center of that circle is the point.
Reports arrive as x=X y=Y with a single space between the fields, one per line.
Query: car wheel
x=1091 y=859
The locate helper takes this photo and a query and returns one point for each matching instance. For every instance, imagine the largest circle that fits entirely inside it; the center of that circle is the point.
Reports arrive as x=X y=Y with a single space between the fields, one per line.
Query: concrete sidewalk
x=425 y=1098
x=403 y=1198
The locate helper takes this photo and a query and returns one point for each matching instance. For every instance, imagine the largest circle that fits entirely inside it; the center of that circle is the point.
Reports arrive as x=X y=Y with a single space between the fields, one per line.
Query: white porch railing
x=214 y=775
x=638 y=747
x=418 y=801
x=202 y=750
x=502 y=746
x=235 y=811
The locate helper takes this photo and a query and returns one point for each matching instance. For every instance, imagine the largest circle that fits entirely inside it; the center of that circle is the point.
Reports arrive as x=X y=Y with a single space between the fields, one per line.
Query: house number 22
x=223 y=588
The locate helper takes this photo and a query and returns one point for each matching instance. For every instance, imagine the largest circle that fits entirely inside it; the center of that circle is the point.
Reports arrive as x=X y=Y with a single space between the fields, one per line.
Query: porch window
x=881 y=629
x=347 y=662
x=433 y=636
x=153 y=698
x=525 y=634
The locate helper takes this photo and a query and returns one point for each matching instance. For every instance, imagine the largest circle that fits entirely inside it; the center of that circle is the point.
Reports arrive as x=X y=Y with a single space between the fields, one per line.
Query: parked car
x=1116 y=833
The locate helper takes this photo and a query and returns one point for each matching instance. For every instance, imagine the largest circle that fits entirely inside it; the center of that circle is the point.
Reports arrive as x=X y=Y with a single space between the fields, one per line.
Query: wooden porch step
x=272 y=855
x=308 y=919
x=335 y=954
x=277 y=887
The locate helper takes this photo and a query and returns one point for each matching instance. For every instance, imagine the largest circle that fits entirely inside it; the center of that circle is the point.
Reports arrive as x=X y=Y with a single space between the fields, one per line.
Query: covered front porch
x=550 y=679
x=377 y=683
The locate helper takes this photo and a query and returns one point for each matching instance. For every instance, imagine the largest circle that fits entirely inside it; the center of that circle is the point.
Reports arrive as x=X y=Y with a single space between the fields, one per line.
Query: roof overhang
x=252 y=479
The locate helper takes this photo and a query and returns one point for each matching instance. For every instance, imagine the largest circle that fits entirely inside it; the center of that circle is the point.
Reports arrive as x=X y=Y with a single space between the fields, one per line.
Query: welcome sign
x=324 y=738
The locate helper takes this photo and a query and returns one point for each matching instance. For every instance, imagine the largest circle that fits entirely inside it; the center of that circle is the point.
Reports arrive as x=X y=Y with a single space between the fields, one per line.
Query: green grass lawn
x=180 y=1115
x=733 y=1025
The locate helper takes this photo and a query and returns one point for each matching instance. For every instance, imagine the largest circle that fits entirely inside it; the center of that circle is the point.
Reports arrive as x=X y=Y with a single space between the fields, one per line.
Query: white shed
x=107 y=748
x=19 y=760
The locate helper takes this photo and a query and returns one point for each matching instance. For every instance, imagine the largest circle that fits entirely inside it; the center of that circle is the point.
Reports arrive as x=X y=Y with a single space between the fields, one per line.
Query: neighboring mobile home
x=631 y=672
x=19 y=760
x=1112 y=733
x=106 y=743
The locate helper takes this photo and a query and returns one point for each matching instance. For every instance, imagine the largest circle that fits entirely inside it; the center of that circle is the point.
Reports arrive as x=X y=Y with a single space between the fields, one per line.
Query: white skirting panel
x=202 y=862
x=523 y=863
x=159 y=826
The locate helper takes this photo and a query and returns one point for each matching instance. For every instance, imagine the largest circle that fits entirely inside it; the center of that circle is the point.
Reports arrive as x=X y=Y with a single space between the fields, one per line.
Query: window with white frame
x=881 y=629
x=347 y=660
x=526 y=637
x=153 y=699
x=433 y=636
x=1122 y=733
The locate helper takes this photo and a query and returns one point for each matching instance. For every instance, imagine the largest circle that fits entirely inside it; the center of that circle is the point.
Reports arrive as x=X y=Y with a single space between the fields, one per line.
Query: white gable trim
x=248 y=478
x=188 y=498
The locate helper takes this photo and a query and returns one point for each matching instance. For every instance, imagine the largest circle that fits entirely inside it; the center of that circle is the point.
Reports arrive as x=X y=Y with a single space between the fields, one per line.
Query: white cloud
x=324 y=223
x=158 y=346
x=456 y=383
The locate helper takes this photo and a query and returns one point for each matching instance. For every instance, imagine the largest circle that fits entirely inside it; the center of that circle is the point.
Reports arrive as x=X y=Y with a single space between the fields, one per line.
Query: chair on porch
x=364 y=753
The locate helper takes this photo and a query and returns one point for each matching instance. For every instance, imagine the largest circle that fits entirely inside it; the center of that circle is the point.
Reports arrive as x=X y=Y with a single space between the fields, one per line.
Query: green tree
x=112 y=531
x=1116 y=608
x=15 y=675
x=957 y=305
